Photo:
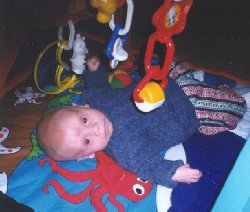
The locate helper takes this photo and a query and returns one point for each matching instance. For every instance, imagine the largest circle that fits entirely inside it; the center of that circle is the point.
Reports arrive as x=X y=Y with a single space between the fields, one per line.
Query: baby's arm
x=185 y=174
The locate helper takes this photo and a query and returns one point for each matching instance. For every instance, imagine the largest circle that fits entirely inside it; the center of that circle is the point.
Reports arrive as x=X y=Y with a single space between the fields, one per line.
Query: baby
x=74 y=132
x=133 y=139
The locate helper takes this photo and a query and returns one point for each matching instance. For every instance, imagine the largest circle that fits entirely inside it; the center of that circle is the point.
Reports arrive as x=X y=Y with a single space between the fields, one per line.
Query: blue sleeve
x=143 y=158
x=151 y=165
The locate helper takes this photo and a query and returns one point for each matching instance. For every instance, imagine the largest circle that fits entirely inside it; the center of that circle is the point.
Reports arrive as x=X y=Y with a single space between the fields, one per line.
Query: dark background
x=217 y=34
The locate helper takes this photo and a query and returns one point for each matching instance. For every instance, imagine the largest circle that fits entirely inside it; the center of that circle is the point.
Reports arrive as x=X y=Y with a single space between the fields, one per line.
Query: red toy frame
x=169 y=20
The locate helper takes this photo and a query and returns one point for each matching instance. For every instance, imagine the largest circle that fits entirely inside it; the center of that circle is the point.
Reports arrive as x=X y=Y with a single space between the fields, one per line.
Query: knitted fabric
x=218 y=109
x=96 y=79
x=139 y=138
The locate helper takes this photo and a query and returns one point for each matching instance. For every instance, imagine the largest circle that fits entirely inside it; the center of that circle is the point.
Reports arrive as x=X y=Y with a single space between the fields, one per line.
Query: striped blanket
x=218 y=108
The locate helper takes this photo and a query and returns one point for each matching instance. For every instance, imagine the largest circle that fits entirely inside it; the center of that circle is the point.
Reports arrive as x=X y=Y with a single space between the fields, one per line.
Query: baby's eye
x=87 y=141
x=84 y=120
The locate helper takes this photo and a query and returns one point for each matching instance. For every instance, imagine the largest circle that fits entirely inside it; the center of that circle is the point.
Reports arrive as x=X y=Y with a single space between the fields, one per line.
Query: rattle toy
x=169 y=20
x=119 y=79
x=115 y=51
x=78 y=61
x=106 y=8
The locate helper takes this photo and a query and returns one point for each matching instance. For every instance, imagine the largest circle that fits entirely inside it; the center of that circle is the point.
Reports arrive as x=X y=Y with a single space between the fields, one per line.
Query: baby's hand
x=185 y=174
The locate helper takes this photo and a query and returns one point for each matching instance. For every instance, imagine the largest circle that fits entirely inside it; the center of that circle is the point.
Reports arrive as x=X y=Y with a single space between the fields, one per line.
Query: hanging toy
x=4 y=132
x=65 y=82
x=78 y=59
x=169 y=20
x=115 y=51
x=106 y=8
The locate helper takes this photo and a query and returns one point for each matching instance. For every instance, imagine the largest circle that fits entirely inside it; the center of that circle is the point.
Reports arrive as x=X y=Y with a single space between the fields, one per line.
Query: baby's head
x=73 y=132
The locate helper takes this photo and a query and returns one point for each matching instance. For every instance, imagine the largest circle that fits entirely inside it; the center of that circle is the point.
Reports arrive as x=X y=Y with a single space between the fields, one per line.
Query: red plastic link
x=169 y=20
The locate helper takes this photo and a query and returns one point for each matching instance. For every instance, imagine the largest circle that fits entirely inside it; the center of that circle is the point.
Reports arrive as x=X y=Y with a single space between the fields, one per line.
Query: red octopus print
x=108 y=177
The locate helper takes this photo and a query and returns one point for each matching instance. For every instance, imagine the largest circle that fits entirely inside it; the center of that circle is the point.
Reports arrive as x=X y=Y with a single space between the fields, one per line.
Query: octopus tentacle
x=73 y=198
x=96 y=198
x=51 y=162
x=116 y=203
x=68 y=174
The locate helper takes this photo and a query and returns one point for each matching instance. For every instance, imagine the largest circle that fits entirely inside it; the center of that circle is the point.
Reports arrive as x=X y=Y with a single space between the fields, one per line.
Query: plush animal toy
x=78 y=59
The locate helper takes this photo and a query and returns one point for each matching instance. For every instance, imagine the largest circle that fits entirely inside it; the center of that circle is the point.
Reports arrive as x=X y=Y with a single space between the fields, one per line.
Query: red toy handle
x=155 y=71
x=169 y=19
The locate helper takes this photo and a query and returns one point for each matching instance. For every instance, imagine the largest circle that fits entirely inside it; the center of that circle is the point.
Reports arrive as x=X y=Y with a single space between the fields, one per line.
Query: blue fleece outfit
x=139 y=138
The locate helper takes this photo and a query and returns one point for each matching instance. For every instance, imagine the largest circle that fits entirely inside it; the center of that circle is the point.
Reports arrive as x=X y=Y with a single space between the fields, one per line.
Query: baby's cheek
x=102 y=145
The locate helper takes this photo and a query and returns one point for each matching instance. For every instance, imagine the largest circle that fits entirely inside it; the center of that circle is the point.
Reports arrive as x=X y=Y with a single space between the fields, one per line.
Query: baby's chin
x=68 y=156
x=62 y=158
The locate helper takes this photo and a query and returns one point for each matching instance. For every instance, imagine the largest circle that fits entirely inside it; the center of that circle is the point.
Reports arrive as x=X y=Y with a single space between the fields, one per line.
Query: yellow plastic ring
x=62 y=85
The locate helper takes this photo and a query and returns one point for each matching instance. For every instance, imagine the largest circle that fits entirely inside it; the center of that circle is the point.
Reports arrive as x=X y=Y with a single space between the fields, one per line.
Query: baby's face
x=86 y=131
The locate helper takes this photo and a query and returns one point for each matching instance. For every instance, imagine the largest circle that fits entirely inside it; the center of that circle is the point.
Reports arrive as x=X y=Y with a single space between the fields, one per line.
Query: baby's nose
x=95 y=128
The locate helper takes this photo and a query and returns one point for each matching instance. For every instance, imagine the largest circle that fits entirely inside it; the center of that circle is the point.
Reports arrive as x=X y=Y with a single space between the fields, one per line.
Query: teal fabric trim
x=235 y=195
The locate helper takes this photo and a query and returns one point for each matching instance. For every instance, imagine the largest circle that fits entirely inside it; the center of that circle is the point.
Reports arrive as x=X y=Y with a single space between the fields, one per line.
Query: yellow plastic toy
x=78 y=61
x=153 y=97
x=68 y=82
x=106 y=8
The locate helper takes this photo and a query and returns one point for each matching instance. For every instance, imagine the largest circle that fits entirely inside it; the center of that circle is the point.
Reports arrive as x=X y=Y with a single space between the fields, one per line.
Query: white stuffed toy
x=78 y=59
